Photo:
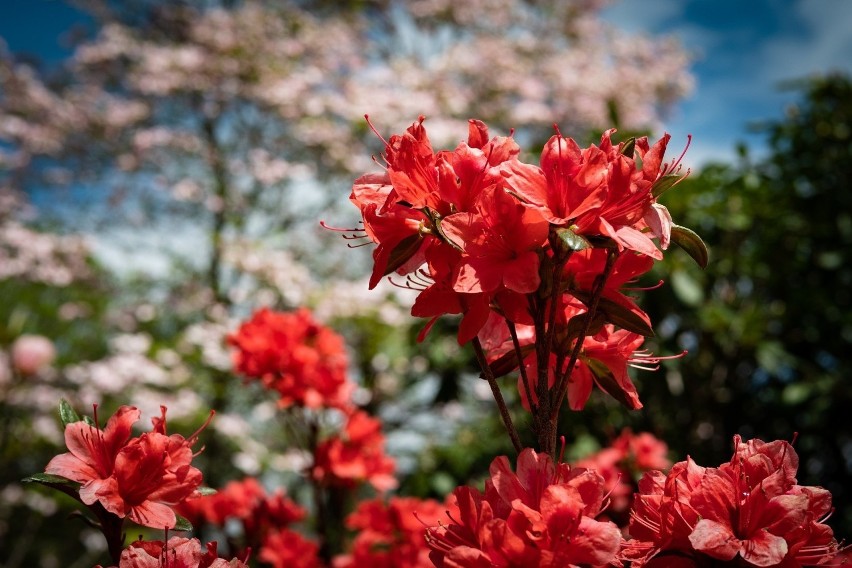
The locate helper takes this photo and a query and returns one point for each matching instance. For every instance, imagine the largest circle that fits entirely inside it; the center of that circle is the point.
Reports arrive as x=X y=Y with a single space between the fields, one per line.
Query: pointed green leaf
x=608 y=383
x=49 y=478
x=182 y=524
x=664 y=184
x=624 y=318
x=67 y=413
x=629 y=147
x=617 y=314
x=207 y=491
x=571 y=241
x=688 y=240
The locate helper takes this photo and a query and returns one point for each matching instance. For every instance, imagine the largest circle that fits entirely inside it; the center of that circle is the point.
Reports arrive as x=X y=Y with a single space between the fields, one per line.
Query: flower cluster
x=140 y=478
x=627 y=457
x=293 y=354
x=178 y=552
x=355 y=455
x=535 y=258
x=391 y=534
x=747 y=512
x=543 y=515
x=246 y=501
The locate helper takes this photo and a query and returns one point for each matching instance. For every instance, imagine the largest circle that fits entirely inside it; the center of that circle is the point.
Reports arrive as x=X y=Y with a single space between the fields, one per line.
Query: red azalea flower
x=604 y=361
x=148 y=475
x=289 y=549
x=356 y=455
x=248 y=502
x=391 y=534
x=439 y=298
x=598 y=190
x=543 y=515
x=402 y=207
x=619 y=463
x=569 y=182
x=91 y=459
x=584 y=267
x=501 y=240
x=746 y=512
x=178 y=552
x=289 y=352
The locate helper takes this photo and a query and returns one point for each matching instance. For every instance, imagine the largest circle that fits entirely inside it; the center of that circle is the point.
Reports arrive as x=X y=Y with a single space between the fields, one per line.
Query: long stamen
x=643 y=288
x=373 y=128
x=647 y=361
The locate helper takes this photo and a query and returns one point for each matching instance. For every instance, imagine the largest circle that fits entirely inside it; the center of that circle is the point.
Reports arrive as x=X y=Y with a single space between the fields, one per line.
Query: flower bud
x=32 y=353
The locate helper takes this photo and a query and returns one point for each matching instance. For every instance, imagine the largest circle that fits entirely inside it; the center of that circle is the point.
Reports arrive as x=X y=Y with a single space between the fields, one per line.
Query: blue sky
x=743 y=50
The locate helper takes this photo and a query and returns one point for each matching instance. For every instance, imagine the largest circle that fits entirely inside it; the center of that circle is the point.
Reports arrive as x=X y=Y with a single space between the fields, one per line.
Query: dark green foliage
x=769 y=323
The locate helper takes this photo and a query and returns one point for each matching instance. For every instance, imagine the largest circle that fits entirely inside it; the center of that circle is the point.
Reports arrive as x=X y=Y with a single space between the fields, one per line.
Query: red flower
x=391 y=534
x=501 y=240
x=543 y=515
x=178 y=552
x=91 y=459
x=598 y=190
x=619 y=463
x=569 y=182
x=142 y=478
x=248 y=502
x=356 y=455
x=291 y=353
x=747 y=512
x=289 y=549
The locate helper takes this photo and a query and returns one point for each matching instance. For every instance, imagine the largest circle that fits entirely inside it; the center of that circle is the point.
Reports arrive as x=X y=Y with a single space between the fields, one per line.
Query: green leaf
x=67 y=413
x=624 y=318
x=571 y=241
x=182 y=524
x=608 y=383
x=688 y=240
x=207 y=491
x=664 y=184
x=50 y=479
x=629 y=147
x=616 y=314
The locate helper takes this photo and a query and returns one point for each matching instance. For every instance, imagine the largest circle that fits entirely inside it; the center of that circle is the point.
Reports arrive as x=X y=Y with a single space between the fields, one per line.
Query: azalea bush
x=541 y=263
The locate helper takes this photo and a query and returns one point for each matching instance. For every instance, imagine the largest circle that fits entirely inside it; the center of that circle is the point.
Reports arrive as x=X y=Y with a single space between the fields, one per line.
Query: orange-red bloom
x=294 y=355
x=543 y=515
x=748 y=512
x=391 y=534
x=178 y=552
x=140 y=478
x=356 y=455
x=289 y=549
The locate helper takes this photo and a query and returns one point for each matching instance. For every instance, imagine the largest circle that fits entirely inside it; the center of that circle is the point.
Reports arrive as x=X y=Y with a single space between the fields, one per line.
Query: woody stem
x=498 y=396
x=562 y=387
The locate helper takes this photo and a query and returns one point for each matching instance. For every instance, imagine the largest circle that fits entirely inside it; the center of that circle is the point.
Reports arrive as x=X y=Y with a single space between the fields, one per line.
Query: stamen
x=409 y=284
x=647 y=361
x=194 y=436
x=675 y=165
x=644 y=288
x=373 y=128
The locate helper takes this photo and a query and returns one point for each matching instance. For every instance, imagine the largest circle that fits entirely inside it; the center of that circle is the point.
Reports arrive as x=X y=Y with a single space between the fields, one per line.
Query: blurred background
x=164 y=166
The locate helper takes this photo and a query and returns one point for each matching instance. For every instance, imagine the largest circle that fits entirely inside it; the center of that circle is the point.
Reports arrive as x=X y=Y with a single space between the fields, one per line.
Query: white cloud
x=825 y=45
